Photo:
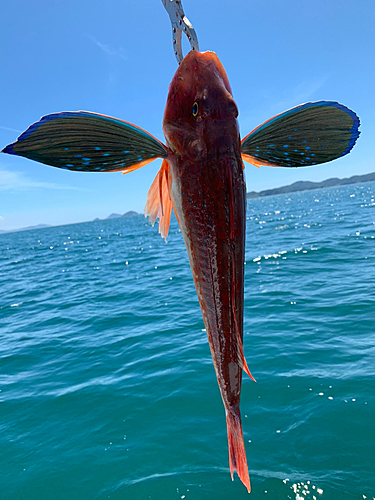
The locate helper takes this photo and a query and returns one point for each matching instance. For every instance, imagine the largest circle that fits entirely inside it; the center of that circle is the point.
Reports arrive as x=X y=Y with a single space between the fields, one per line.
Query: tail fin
x=237 y=454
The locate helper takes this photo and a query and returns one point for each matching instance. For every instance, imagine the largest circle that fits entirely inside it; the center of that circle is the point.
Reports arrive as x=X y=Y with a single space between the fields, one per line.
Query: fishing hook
x=180 y=23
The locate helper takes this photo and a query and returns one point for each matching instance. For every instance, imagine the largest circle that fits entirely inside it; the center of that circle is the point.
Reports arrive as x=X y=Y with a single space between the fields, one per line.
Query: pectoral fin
x=312 y=133
x=159 y=202
x=87 y=142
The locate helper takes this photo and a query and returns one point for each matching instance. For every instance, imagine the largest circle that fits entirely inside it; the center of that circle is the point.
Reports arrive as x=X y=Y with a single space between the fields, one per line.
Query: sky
x=115 y=57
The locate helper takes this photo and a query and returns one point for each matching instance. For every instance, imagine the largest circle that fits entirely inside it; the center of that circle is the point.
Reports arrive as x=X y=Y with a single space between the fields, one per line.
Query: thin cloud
x=302 y=93
x=11 y=129
x=17 y=181
x=109 y=50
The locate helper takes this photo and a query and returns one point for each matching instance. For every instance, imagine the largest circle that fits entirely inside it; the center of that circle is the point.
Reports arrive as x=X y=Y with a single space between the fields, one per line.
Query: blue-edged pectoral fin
x=312 y=133
x=87 y=142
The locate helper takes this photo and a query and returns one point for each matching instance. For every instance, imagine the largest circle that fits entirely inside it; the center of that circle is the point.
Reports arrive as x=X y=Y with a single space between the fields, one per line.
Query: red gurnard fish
x=202 y=179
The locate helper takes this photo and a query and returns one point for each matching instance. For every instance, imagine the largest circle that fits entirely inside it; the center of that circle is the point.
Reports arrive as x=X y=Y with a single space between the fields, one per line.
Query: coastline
x=308 y=185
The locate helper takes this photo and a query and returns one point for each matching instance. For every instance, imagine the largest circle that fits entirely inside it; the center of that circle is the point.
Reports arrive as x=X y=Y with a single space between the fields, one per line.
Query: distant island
x=131 y=213
x=307 y=185
x=292 y=188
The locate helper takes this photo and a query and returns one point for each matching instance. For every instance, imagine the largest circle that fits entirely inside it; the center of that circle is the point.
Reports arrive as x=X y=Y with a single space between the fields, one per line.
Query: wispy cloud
x=302 y=92
x=109 y=50
x=17 y=181
x=272 y=104
x=11 y=129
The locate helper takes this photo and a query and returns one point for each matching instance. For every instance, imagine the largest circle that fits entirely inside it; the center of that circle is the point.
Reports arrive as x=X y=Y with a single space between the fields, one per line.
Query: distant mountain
x=38 y=226
x=131 y=213
x=307 y=185
x=292 y=188
x=113 y=216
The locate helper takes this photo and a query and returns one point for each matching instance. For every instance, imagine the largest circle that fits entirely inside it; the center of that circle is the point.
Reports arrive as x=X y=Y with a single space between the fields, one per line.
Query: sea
x=107 y=387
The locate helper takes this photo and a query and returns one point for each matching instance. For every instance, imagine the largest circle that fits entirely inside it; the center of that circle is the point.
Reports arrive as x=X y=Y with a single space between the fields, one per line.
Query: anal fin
x=241 y=359
x=239 y=343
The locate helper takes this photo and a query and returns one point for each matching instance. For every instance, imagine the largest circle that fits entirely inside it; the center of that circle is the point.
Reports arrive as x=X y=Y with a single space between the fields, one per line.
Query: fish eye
x=195 y=109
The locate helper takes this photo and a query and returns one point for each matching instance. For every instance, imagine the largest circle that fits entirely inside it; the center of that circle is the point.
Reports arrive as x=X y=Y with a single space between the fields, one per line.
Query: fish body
x=201 y=179
x=208 y=195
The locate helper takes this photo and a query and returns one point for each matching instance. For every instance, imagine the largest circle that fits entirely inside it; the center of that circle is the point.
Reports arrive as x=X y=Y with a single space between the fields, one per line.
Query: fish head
x=200 y=114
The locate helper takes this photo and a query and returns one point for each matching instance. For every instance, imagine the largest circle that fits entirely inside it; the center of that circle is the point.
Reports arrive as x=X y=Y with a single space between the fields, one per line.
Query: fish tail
x=237 y=454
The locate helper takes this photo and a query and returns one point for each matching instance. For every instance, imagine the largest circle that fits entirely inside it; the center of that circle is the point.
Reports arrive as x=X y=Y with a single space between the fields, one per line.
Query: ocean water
x=107 y=385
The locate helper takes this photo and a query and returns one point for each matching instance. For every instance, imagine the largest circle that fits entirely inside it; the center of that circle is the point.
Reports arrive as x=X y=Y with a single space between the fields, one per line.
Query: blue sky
x=115 y=57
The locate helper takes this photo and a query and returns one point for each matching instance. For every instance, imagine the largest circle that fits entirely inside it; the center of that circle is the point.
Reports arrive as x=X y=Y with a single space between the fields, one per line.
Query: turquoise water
x=107 y=383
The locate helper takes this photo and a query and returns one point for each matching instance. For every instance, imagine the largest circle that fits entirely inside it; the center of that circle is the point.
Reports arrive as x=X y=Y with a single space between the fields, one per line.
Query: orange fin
x=240 y=354
x=237 y=454
x=136 y=166
x=159 y=202
x=241 y=358
x=253 y=161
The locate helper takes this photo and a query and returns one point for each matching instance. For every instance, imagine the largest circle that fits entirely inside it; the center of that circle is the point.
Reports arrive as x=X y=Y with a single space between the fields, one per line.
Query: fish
x=201 y=179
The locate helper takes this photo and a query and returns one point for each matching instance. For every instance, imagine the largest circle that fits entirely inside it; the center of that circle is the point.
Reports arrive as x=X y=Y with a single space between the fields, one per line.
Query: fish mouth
x=205 y=61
